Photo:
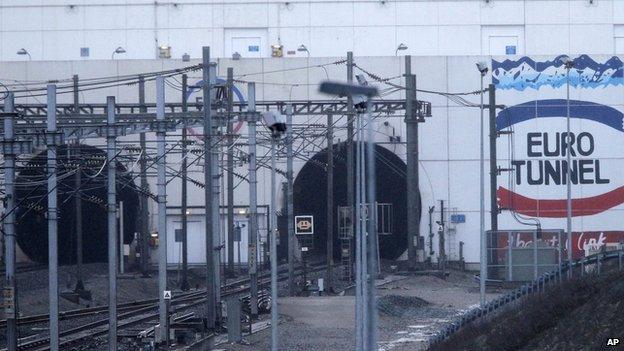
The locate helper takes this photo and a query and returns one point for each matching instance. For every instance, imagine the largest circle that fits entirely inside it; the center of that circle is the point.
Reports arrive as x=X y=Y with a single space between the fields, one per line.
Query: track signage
x=167 y=294
x=304 y=225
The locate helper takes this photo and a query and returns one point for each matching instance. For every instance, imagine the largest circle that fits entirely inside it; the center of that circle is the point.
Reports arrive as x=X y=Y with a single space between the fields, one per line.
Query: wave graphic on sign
x=557 y=208
x=526 y=73
x=586 y=206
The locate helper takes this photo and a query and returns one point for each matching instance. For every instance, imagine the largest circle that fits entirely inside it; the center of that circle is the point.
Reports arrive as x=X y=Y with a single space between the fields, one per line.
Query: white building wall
x=449 y=144
x=55 y=30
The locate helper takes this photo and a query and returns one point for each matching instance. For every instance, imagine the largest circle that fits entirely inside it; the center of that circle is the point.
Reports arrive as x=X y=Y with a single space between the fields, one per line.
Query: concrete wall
x=449 y=144
x=58 y=29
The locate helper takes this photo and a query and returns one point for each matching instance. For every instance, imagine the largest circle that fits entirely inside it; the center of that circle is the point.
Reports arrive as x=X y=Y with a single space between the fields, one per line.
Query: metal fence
x=594 y=262
x=522 y=255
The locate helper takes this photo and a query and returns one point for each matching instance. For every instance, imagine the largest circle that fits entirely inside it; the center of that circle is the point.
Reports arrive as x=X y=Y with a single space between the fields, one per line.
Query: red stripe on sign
x=557 y=208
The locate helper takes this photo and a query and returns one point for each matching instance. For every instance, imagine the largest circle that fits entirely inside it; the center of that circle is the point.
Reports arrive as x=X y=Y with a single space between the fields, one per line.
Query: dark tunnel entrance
x=32 y=226
x=310 y=198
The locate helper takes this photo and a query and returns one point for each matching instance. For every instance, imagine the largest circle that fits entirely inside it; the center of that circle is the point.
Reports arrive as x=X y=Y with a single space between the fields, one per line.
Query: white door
x=248 y=42
x=247 y=47
x=503 y=45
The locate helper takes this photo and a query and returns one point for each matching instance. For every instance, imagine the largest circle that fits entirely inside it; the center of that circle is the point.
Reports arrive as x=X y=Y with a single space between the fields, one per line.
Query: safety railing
x=530 y=288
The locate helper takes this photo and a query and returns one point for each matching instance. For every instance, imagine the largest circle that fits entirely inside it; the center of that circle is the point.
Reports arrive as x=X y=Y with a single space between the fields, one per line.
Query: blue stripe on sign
x=558 y=108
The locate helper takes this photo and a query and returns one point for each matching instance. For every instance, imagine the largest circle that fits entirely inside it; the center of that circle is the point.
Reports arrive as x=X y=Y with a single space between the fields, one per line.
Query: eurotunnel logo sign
x=304 y=225
x=537 y=186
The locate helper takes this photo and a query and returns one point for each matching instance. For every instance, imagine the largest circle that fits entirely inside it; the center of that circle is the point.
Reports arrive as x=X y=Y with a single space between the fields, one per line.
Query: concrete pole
x=121 y=238
x=9 y=221
x=161 y=184
x=350 y=159
x=372 y=231
x=78 y=198
x=184 y=285
x=273 y=239
x=289 y=201
x=252 y=252
x=413 y=203
x=330 y=202
x=112 y=222
x=493 y=163
x=52 y=219
x=207 y=109
x=216 y=191
x=483 y=239
x=230 y=171
x=143 y=200
x=359 y=243
x=568 y=173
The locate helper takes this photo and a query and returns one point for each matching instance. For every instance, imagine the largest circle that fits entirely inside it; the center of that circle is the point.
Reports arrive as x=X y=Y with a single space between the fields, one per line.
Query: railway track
x=135 y=313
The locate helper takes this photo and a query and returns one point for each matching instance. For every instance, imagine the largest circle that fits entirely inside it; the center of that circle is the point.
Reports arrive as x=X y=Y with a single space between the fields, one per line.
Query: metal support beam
x=143 y=199
x=230 y=171
x=161 y=184
x=371 y=343
x=330 y=203
x=289 y=202
x=350 y=132
x=184 y=285
x=413 y=193
x=493 y=164
x=78 y=198
x=9 y=223
x=273 y=239
x=52 y=219
x=112 y=222
x=252 y=252
x=207 y=111
x=216 y=191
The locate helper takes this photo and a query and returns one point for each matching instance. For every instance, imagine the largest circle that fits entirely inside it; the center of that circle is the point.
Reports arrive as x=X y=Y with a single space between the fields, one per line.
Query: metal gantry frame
x=30 y=126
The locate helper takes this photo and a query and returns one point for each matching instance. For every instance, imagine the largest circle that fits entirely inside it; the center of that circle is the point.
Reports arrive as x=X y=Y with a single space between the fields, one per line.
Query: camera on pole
x=276 y=122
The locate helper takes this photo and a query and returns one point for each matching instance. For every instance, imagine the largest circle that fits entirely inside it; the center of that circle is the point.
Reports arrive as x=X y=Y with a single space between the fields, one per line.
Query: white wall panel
x=332 y=40
x=105 y=17
x=459 y=12
x=591 y=38
x=547 y=11
x=417 y=13
x=374 y=14
x=21 y=18
x=382 y=37
x=502 y=12
x=293 y=15
x=255 y=15
x=13 y=41
x=420 y=40
x=189 y=16
x=599 y=12
x=62 y=45
x=141 y=17
x=62 y=18
x=139 y=44
x=545 y=39
x=460 y=40
x=331 y=14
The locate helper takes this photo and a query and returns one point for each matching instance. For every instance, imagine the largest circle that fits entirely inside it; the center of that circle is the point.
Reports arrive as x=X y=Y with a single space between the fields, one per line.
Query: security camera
x=482 y=67
x=276 y=122
x=359 y=101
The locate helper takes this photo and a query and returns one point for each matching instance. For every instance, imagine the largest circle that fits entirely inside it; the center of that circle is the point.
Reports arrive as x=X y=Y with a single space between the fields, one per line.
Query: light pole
x=369 y=311
x=568 y=63
x=275 y=122
x=303 y=48
x=23 y=51
x=119 y=50
x=401 y=47
x=483 y=69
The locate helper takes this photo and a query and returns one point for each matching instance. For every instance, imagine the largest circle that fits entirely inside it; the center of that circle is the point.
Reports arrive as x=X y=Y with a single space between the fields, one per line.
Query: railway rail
x=135 y=313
